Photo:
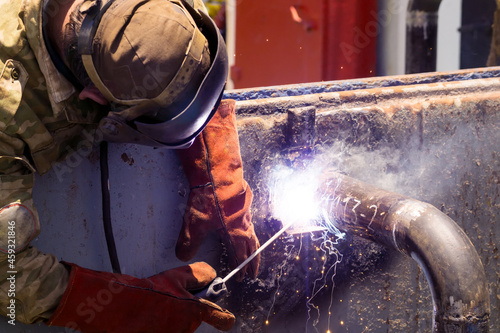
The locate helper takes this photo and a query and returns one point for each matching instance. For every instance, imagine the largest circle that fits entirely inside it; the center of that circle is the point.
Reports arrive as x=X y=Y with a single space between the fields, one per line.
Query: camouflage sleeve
x=31 y=283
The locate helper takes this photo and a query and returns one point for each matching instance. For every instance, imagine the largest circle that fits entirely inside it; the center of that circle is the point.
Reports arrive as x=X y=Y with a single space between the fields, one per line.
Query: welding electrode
x=217 y=288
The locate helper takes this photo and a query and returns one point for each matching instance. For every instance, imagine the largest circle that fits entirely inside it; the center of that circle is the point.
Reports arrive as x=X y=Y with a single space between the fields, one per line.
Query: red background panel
x=285 y=41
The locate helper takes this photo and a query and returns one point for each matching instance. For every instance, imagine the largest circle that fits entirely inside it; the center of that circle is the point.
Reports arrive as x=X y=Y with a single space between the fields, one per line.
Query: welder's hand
x=106 y=302
x=220 y=198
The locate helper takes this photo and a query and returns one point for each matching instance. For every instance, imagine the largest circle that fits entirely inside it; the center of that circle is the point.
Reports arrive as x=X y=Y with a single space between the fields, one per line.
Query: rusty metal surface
x=360 y=84
x=437 y=142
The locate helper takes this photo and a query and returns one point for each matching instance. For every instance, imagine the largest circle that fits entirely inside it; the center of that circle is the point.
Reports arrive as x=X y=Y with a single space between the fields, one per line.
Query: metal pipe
x=449 y=260
x=421 y=36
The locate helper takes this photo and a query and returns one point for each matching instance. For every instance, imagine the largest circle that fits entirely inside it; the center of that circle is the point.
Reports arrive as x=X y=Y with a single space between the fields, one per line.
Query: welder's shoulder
x=12 y=32
x=13 y=44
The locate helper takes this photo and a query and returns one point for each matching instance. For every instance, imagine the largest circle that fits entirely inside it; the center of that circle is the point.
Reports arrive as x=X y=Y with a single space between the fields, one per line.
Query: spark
x=330 y=226
x=328 y=272
x=288 y=250
x=328 y=248
x=295 y=199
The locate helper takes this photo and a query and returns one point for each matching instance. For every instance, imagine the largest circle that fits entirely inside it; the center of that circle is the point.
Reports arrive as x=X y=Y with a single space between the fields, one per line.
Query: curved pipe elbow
x=441 y=248
x=450 y=262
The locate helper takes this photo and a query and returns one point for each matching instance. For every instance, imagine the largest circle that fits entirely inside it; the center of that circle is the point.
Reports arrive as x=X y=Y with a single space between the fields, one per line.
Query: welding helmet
x=162 y=64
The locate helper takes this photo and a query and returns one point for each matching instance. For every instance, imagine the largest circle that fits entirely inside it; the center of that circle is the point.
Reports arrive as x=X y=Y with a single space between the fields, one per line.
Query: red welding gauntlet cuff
x=220 y=198
x=106 y=302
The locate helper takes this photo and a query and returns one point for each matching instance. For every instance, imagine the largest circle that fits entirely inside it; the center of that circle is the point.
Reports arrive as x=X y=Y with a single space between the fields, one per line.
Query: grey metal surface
x=148 y=195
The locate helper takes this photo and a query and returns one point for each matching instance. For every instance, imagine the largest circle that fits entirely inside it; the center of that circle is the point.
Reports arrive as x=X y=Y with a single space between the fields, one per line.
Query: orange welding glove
x=106 y=302
x=220 y=198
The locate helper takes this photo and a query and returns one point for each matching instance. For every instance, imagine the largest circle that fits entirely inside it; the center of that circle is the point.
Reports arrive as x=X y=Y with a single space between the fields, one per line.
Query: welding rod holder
x=217 y=288
x=214 y=291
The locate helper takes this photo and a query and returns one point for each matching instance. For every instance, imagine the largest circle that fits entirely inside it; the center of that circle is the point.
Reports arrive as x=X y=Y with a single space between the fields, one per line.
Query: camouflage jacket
x=41 y=121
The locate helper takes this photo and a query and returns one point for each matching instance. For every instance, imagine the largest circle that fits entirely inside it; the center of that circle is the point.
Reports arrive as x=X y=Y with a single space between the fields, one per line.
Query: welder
x=149 y=72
